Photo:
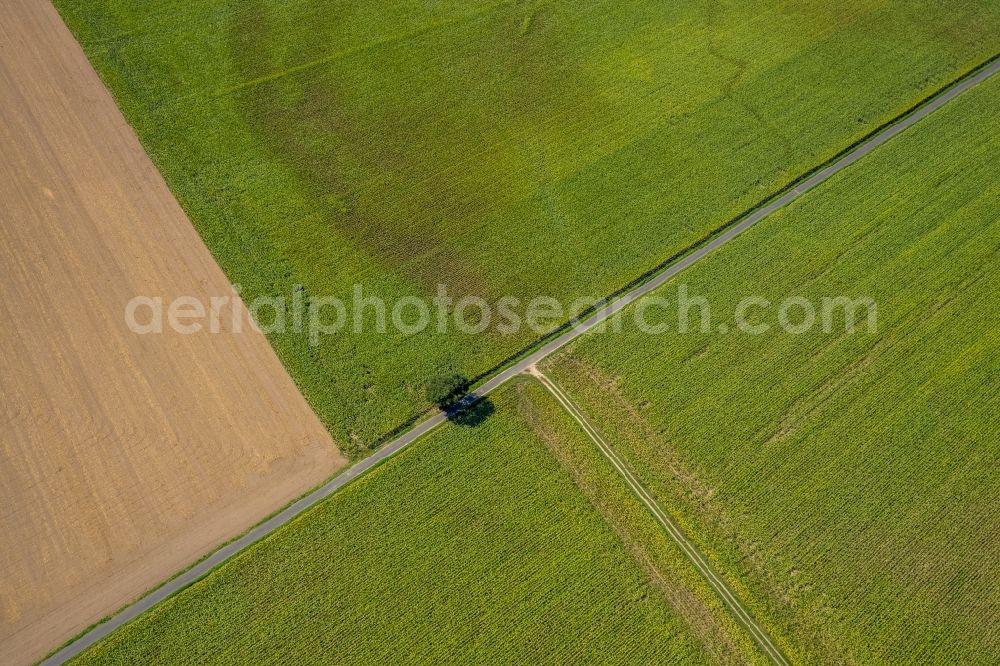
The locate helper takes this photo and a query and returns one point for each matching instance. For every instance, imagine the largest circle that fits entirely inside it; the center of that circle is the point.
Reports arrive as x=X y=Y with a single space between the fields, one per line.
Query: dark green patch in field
x=348 y=131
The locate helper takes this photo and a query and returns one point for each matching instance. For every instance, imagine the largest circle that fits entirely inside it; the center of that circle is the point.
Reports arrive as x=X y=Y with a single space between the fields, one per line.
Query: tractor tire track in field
x=718 y=585
x=642 y=287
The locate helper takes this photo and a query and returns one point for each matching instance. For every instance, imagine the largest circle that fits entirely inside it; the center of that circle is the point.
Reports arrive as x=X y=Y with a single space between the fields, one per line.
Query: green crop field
x=501 y=148
x=846 y=484
x=472 y=546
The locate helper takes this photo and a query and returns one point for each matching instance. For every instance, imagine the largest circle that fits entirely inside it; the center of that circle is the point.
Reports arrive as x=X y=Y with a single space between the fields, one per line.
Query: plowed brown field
x=123 y=457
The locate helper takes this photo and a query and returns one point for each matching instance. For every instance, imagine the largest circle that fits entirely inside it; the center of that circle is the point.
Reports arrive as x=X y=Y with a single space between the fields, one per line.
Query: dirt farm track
x=123 y=458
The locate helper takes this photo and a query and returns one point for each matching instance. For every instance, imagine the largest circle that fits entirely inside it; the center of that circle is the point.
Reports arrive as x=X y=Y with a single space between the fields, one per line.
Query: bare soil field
x=123 y=457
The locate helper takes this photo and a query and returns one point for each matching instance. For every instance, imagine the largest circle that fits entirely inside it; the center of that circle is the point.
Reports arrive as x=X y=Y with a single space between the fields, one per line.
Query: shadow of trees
x=448 y=391
x=470 y=411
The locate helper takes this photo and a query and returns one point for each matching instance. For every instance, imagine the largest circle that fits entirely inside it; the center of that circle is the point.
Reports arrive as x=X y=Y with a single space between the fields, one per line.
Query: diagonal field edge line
x=719 y=586
x=361 y=48
x=199 y=570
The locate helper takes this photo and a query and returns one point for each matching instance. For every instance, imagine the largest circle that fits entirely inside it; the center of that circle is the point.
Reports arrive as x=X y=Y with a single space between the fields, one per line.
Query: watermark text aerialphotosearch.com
x=364 y=313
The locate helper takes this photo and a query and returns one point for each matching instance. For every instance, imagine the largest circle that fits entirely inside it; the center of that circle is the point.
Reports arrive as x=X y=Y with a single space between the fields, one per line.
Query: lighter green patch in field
x=845 y=484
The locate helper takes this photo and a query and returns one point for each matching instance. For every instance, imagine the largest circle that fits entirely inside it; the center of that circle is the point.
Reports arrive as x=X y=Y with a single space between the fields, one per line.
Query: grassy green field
x=845 y=484
x=472 y=546
x=501 y=148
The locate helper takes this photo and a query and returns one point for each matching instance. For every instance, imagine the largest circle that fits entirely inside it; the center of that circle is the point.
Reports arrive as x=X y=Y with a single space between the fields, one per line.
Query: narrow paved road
x=218 y=557
x=718 y=585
